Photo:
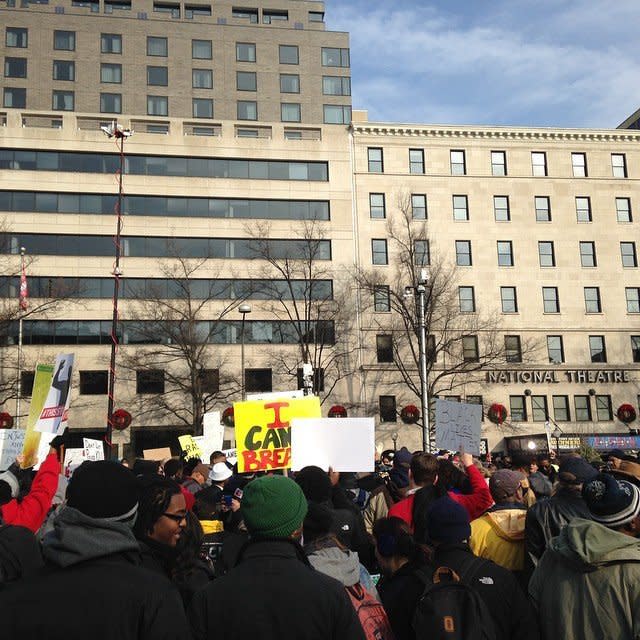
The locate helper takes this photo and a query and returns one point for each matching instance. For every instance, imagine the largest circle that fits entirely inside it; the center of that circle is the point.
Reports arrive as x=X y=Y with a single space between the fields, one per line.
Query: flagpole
x=21 y=308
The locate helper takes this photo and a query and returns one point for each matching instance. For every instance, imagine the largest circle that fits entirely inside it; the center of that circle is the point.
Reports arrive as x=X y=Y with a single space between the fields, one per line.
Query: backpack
x=370 y=612
x=449 y=609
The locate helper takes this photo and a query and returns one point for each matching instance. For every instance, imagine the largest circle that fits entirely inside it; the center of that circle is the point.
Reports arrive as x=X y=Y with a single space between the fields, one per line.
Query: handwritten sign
x=11 y=443
x=458 y=426
x=93 y=449
x=190 y=447
x=263 y=430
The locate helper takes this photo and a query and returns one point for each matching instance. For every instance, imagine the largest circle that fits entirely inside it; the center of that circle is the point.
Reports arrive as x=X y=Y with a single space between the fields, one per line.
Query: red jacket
x=31 y=511
x=476 y=502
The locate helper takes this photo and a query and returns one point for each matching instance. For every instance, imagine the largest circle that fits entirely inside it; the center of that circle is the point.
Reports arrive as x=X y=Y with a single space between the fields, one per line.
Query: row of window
x=164 y=165
x=458 y=163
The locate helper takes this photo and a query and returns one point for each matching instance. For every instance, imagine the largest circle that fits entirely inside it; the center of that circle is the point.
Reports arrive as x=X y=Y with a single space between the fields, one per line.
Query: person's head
x=200 y=473
x=533 y=465
x=143 y=468
x=188 y=546
x=614 y=503
x=574 y=472
x=386 y=457
x=173 y=468
x=124 y=462
x=315 y=484
x=616 y=457
x=394 y=544
x=447 y=522
x=544 y=463
x=9 y=487
x=521 y=463
x=217 y=456
x=424 y=469
x=450 y=476
x=220 y=474
x=163 y=511
x=273 y=507
x=505 y=486
x=317 y=524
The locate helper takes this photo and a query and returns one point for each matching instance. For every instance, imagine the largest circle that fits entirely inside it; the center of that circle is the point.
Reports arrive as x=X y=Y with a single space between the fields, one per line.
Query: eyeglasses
x=176 y=517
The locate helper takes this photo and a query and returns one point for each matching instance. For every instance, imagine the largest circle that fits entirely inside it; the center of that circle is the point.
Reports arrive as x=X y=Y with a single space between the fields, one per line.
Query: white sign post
x=458 y=426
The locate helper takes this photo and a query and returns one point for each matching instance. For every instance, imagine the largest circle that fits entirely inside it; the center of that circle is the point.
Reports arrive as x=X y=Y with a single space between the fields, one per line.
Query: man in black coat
x=273 y=593
x=93 y=584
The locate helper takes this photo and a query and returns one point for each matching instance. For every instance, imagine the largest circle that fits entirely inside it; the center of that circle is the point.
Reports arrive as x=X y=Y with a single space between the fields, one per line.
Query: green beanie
x=273 y=507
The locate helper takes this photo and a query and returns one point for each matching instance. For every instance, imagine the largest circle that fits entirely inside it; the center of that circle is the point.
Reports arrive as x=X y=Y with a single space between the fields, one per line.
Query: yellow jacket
x=499 y=536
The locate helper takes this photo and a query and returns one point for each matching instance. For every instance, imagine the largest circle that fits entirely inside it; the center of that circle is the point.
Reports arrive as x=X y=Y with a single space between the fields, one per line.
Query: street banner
x=157 y=454
x=458 y=426
x=344 y=444
x=53 y=417
x=11 y=444
x=263 y=430
x=190 y=447
x=41 y=384
x=93 y=449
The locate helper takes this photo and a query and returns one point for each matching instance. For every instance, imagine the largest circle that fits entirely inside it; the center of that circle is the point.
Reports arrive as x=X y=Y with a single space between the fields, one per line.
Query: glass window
x=628 y=253
x=588 y=254
x=289 y=83
x=150 y=381
x=416 y=161
x=579 y=164
x=62 y=100
x=202 y=107
x=201 y=50
x=381 y=298
x=202 y=78
x=157 y=105
x=336 y=114
x=539 y=409
x=460 y=208
x=619 y=165
x=316 y=16
x=247 y=110
x=64 y=40
x=583 y=209
x=14 y=98
x=336 y=86
x=17 y=37
x=332 y=57
x=582 y=408
x=289 y=54
x=388 y=412
x=546 y=253
x=604 y=412
x=384 y=348
x=15 y=67
x=561 y=408
x=245 y=52
x=623 y=210
x=110 y=103
x=421 y=253
x=93 y=383
x=64 y=70
x=258 y=380
x=470 y=349
x=246 y=81
x=290 y=112
x=157 y=76
x=498 y=163
x=463 y=253
x=157 y=46
x=111 y=73
x=505 y=253
x=110 y=43
x=509 y=299
x=517 y=409
x=551 y=303
x=458 y=163
x=374 y=156
x=597 y=349
x=466 y=296
x=592 y=300
x=633 y=299
x=539 y=163
x=250 y=14
x=379 y=251
x=501 y=208
x=555 y=349
x=635 y=348
x=377 y=205
x=419 y=206
x=543 y=208
x=512 y=349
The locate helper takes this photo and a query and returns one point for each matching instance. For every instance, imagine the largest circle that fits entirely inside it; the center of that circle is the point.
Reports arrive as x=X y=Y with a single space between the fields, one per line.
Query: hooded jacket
x=587 y=584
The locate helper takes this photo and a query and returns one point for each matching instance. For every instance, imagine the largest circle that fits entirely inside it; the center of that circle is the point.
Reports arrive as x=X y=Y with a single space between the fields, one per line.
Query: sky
x=542 y=63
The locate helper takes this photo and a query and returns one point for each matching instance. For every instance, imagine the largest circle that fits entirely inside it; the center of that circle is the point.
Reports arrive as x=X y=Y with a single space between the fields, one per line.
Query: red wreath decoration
x=228 y=418
x=497 y=413
x=410 y=414
x=121 y=419
x=626 y=413
x=337 y=411
x=6 y=420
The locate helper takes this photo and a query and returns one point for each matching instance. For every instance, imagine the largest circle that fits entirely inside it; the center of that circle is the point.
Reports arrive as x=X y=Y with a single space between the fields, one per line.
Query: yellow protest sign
x=41 y=385
x=190 y=447
x=263 y=430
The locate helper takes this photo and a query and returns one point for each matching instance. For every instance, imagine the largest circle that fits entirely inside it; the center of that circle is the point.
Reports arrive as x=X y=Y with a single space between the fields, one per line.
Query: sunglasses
x=176 y=517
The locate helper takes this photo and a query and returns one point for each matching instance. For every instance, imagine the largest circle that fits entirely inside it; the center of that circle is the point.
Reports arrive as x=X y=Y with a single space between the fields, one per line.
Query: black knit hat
x=611 y=502
x=103 y=489
x=574 y=470
x=447 y=521
x=315 y=484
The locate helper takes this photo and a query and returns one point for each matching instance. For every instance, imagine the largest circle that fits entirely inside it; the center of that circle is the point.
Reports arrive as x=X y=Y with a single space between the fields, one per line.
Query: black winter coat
x=274 y=594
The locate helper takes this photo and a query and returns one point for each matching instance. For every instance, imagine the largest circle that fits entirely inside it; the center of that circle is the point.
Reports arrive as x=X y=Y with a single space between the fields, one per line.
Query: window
x=250 y=14
x=247 y=110
x=335 y=57
x=505 y=253
x=157 y=46
x=258 y=380
x=26 y=383
x=336 y=114
x=64 y=40
x=550 y=301
x=379 y=252
x=588 y=254
x=458 y=163
x=377 y=205
x=110 y=43
x=539 y=163
x=290 y=112
x=17 y=37
x=628 y=253
x=110 y=103
x=470 y=349
x=467 y=298
x=150 y=381
x=539 y=409
x=201 y=50
x=202 y=78
x=512 y=349
x=555 y=349
x=93 y=383
x=202 y=107
x=619 y=165
x=336 y=86
x=270 y=15
x=517 y=409
x=460 y=208
x=289 y=83
x=64 y=70
x=15 y=98
x=582 y=408
x=498 y=163
x=603 y=409
x=597 y=349
x=15 y=67
x=561 y=408
x=416 y=161
x=633 y=299
x=421 y=253
x=172 y=9
x=623 y=210
x=384 y=348
x=463 y=253
x=509 y=299
x=111 y=73
x=475 y=400
x=543 y=208
x=289 y=54
x=374 y=157
x=62 y=100
x=583 y=209
x=245 y=52
x=546 y=253
x=157 y=105
x=381 y=298
x=388 y=412
x=209 y=380
x=157 y=76
x=501 y=208
x=592 y=300
x=579 y=164
x=635 y=348
x=419 y=206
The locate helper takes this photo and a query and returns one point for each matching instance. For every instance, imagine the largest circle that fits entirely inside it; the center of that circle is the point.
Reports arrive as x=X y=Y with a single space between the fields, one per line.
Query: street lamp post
x=557 y=432
x=243 y=309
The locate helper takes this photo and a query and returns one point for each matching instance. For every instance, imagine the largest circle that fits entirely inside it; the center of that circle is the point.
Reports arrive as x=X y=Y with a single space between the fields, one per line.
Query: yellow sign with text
x=263 y=430
x=189 y=447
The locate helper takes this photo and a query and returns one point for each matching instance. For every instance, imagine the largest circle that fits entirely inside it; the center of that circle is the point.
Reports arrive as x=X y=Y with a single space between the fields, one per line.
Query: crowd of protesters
x=427 y=546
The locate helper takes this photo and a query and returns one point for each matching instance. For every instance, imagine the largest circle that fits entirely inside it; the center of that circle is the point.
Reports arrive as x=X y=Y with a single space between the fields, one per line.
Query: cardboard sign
x=344 y=444
x=157 y=454
x=73 y=458
x=458 y=426
x=93 y=449
x=190 y=447
x=53 y=417
x=11 y=444
x=263 y=430
x=41 y=384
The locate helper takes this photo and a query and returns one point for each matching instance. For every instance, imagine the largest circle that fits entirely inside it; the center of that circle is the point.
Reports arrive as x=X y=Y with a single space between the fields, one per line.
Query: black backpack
x=449 y=609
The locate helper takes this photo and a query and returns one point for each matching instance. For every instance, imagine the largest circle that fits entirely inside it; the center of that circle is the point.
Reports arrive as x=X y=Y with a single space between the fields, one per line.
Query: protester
x=538 y=481
x=20 y=554
x=217 y=457
x=173 y=469
x=93 y=584
x=522 y=465
x=195 y=479
x=144 y=468
x=273 y=593
x=587 y=584
x=547 y=468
